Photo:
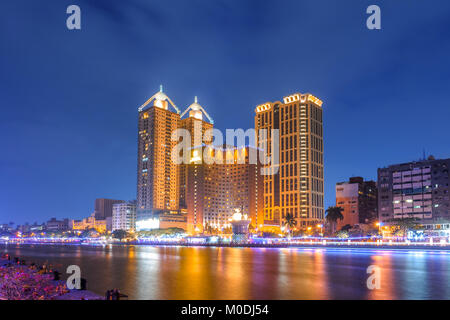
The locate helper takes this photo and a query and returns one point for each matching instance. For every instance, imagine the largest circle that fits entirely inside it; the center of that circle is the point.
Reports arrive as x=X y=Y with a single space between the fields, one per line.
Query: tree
x=90 y=233
x=347 y=228
x=333 y=215
x=343 y=234
x=404 y=225
x=160 y=232
x=120 y=234
x=289 y=222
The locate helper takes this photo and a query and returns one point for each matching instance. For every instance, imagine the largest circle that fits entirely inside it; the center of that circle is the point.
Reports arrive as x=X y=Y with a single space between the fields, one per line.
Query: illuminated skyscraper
x=296 y=188
x=158 y=176
x=196 y=126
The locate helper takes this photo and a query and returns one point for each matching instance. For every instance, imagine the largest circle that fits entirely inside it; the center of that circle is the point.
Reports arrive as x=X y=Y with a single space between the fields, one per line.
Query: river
x=176 y=272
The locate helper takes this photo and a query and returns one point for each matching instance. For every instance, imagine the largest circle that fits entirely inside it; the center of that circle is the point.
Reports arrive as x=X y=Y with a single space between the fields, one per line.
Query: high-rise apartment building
x=158 y=184
x=103 y=208
x=358 y=198
x=215 y=190
x=296 y=186
x=415 y=190
x=197 y=126
x=124 y=216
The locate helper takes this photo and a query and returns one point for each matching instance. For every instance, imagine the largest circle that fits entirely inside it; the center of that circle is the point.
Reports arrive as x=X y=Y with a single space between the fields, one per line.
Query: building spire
x=159 y=98
x=196 y=111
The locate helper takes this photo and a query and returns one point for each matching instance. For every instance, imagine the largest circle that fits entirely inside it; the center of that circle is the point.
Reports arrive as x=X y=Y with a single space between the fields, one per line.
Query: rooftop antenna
x=196 y=99
x=424 y=156
x=160 y=88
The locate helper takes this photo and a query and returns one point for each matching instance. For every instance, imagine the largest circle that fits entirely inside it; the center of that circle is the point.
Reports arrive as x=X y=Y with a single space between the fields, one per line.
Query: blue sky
x=69 y=99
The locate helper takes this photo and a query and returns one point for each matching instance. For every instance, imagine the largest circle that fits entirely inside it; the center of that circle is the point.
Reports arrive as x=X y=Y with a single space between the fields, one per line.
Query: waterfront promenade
x=272 y=243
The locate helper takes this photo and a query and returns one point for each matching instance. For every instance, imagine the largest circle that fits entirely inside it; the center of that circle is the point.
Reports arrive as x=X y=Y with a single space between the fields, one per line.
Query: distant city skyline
x=70 y=98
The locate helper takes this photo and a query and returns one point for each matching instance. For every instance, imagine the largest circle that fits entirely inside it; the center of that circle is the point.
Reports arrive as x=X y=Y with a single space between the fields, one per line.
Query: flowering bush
x=24 y=283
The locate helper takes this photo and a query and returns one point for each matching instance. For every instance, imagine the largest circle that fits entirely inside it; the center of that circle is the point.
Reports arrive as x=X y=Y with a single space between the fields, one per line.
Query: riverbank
x=310 y=246
x=156 y=272
x=19 y=281
x=301 y=245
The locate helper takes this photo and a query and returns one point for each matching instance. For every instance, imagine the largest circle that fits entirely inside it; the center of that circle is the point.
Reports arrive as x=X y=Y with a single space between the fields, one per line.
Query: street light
x=378 y=224
x=320 y=226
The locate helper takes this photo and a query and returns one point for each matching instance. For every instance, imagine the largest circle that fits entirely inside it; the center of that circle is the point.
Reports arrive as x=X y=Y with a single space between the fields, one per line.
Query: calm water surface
x=145 y=272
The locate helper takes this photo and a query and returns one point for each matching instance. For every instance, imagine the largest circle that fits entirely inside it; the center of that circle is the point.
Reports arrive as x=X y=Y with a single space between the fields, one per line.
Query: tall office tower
x=296 y=188
x=215 y=190
x=196 y=126
x=124 y=216
x=103 y=208
x=158 y=176
x=358 y=198
x=415 y=190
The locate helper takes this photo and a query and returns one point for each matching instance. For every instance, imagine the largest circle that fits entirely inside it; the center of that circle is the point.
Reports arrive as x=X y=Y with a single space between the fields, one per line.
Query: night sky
x=69 y=99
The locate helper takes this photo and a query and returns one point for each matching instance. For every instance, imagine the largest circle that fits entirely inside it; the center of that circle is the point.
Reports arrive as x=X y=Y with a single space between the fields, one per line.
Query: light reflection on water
x=145 y=272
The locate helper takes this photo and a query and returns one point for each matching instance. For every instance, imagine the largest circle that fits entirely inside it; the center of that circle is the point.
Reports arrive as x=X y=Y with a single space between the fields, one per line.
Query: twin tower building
x=201 y=196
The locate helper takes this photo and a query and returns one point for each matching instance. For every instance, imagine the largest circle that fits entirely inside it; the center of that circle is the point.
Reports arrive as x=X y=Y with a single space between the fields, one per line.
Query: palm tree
x=333 y=215
x=289 y=222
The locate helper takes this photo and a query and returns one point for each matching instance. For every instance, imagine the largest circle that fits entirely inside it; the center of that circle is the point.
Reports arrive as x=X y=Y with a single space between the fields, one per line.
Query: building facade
x=124 y=216
x=174 y=220
x=358 y=198
x=90 y=223
x=220 y=183
x=158 y=187
x=6 y=227
x=295 y=185
x=103 y=208
x=417 y=190
x=162 y=190
x=57 y=225
x=196 y=125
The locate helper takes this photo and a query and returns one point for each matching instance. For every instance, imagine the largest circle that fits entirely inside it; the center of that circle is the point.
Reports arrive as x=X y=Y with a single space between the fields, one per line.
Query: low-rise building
x=90 y=223
x=358 y=198
x=124 y=216
x=54 y=225
x=174 y=219
x=6 y=227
